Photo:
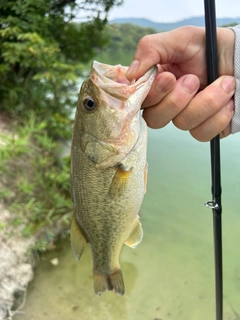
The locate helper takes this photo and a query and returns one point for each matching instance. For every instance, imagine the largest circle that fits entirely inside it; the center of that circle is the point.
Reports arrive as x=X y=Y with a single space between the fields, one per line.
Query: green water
x=170 y=275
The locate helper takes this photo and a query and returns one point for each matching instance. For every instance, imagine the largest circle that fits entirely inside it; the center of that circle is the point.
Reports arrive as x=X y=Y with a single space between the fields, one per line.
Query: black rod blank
x=212 y=69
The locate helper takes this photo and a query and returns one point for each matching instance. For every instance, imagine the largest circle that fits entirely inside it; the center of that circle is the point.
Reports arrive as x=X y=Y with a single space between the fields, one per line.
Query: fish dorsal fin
x=78 y=240
x=119 y=182
x=136 y=234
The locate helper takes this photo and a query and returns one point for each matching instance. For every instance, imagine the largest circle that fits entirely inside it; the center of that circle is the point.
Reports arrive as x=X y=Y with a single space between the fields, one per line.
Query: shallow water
x=170 y=275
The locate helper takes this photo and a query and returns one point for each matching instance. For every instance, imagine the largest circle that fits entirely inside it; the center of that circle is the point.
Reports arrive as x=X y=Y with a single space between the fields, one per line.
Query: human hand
x=180 y=56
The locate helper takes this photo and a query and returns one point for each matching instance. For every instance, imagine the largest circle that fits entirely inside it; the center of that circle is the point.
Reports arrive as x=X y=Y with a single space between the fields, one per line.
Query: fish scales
x=108 y=170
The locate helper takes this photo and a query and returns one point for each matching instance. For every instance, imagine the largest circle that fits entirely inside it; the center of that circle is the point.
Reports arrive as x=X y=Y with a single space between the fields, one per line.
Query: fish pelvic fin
x=136 y=234
x=119 y=182
x=113 y=281
x=78 y=240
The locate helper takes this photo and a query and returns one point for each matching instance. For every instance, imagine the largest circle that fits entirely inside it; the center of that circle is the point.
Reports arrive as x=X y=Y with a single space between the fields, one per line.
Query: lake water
x=170 y=275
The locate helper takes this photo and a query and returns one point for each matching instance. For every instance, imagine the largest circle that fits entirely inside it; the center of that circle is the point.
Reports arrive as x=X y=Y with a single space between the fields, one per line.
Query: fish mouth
x=113 y=80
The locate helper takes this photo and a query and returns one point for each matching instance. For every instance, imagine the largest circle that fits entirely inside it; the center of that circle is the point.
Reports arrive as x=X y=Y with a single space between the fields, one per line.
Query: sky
x=173 y=10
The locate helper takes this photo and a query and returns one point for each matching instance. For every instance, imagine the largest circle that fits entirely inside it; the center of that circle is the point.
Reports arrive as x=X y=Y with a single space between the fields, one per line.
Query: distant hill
x=161 y=26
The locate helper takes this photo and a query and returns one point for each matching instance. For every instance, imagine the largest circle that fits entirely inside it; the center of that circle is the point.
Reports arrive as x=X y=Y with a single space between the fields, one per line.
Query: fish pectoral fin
x=78 y=240
x=119 y=182
x=136 y=234
x=113 y=281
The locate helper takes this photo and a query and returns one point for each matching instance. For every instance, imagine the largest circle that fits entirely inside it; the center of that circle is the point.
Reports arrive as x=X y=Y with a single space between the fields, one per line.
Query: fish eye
x=89 y=104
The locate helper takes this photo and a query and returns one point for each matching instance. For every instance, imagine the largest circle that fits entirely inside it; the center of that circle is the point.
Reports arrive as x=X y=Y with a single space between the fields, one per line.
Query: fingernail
x=228 y=84
x=133 y=67
x=190 y=83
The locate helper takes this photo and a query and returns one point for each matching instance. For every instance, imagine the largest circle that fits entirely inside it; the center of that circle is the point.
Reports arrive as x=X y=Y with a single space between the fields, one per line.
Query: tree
x=42 y=51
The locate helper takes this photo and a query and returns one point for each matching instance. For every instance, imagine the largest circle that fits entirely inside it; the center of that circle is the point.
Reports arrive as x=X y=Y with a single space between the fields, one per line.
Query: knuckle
x=153 y=120
x=182 y=122
x=223 y=122
x=200 y=135
x=147 y=48
x=173 y=102
x=226 y=131
x=145 y=41
x=212 y=101
x=215 y=98
x=209 y=129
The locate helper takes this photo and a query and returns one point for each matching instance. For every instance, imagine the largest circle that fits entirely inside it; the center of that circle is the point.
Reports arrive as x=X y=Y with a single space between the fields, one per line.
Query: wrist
x=226 y=43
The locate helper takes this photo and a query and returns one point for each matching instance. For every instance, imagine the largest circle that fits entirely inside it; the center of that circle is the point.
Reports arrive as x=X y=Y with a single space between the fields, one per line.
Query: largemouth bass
x=108 y=169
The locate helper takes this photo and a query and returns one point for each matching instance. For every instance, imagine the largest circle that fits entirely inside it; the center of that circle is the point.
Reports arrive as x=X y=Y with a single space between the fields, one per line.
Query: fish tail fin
x=100 y=283
x=113 y=281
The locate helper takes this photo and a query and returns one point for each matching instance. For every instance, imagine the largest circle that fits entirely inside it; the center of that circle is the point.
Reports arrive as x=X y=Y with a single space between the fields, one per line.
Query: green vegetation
x=233 y=24
x=122 y=44
x=35 y=185
x=42 y=52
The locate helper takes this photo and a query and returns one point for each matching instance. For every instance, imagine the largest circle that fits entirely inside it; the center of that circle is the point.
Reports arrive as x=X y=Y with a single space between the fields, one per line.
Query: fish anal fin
x=119 y=182
x=113 y=281
x=136 y=234
x=78 y=240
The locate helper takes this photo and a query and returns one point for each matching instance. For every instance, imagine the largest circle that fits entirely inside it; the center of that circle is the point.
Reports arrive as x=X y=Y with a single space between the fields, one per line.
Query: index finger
x=147 y=55
x=162 y=48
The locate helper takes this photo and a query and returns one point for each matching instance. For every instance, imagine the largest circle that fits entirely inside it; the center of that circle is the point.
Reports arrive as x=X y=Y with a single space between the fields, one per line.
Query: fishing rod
x=215 y=203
